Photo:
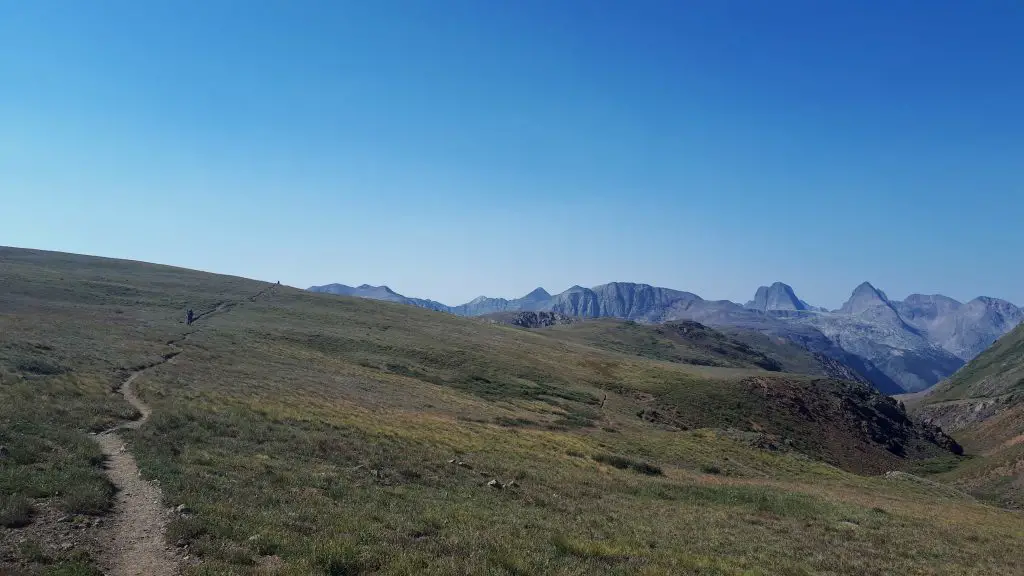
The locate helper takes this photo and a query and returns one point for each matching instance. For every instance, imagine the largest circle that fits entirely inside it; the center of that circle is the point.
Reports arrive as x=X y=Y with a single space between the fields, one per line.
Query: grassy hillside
x=683 y=342
x=689 y=342
x=71 y=327
x=312 y=434
x=997 y=372
x=984 y=404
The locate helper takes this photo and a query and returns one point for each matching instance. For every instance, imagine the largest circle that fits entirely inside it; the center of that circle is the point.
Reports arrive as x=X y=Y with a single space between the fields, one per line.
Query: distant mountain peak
x=778 y=296
x=931 y=298
x=537 y=294
x=868 y=288
x=865 y=296
x=990 y=301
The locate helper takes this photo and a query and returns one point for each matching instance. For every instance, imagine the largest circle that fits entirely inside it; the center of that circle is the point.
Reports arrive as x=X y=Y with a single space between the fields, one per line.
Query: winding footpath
x=133 y=542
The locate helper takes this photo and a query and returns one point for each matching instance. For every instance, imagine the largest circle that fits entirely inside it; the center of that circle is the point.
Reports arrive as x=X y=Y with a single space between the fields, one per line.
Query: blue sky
x=452 y=148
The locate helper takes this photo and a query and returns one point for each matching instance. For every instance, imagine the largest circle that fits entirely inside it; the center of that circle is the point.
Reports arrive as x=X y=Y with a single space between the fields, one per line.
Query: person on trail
x=189 y=317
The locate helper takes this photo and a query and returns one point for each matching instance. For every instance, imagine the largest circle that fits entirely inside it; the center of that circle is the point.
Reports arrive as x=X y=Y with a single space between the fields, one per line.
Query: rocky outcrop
x=879 y=336
x=530 y=319
x=778 y=296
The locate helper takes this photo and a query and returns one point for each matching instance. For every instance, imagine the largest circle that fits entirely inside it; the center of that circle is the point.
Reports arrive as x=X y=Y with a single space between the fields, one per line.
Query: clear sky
x=452 y=148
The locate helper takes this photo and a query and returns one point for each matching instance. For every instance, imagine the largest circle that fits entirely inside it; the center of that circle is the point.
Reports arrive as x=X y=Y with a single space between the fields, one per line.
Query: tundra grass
x=338 y=458
x=308 y=434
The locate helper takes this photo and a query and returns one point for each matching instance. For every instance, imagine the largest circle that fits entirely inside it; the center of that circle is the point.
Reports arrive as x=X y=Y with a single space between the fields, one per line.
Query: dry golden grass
x=313 y=435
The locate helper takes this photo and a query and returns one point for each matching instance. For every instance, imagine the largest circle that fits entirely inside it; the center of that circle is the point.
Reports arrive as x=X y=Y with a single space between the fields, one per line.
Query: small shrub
x=266 y=546
x=647 y=468
x=339 y=560
x=710 y=469
x=93 y=498
x=185 y=530
x=15 y=511
x=623 y=463
x=513 y=422
x=34 y=552
x=236 y=554
x=619 y=462
x=42 y=367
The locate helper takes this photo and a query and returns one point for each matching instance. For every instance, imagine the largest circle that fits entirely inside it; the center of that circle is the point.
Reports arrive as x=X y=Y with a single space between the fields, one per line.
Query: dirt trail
x=133 y=542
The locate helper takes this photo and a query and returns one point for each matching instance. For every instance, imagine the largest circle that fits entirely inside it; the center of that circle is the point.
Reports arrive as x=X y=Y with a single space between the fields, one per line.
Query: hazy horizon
x=487 y=150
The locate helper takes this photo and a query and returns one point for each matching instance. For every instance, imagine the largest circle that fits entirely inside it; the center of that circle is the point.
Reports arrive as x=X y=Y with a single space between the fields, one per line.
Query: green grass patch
x=938 y=465
x=624 y=463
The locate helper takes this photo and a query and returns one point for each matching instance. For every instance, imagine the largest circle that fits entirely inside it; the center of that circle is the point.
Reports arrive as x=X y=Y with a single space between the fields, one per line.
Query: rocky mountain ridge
x=899 y=346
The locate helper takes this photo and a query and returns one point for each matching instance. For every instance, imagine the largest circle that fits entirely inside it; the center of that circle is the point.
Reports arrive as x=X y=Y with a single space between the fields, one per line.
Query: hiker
x=189 y=317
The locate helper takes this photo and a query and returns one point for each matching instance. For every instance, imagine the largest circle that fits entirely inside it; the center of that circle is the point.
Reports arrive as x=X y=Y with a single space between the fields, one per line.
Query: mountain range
x=899 y=346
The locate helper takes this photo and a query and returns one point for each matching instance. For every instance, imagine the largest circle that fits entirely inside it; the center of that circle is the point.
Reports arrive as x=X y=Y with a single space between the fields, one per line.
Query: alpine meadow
x=300 y=433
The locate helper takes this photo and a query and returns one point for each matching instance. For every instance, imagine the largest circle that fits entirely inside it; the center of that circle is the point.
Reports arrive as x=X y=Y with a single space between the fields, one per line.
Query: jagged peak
x=538 y=293
x=778 y=296
x=868 y=288
x=865 y=296
x=383 y=287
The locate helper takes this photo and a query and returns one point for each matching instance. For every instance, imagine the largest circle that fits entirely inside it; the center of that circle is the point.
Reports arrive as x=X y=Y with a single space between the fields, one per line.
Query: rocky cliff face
x=530 y=319
x=639 y=302
x=778 y=296
x=870 y=326
x=965 y=330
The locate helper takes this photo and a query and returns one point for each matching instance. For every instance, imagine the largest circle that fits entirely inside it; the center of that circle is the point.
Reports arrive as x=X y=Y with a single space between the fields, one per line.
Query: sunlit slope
x=983 y=404
x=311 y=434
x=689 y=342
